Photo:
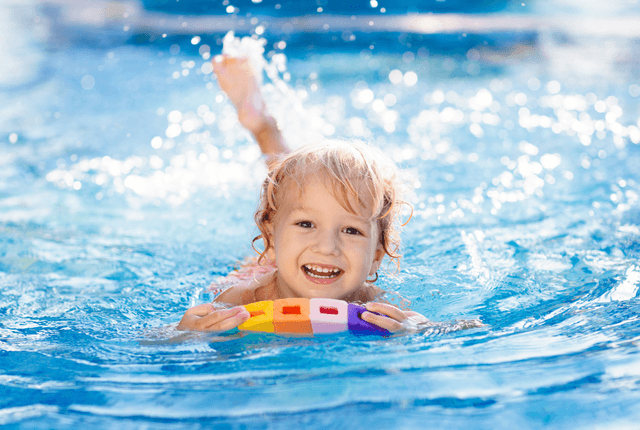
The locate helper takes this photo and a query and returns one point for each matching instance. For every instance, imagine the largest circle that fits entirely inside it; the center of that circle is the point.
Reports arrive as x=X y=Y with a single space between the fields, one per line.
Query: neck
x=366 y=293
x=282 y=291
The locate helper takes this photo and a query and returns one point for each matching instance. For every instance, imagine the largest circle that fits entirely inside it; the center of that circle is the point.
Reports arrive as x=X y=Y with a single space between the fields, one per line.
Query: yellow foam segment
x=261 y=317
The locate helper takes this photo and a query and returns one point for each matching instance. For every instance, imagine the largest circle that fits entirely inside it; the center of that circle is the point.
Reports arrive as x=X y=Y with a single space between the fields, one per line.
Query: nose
x=327 y=243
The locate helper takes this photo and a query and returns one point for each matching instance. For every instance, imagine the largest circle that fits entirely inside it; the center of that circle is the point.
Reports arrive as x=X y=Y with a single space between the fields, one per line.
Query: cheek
x=284 y=241
x=364 y=252
x=276 y=244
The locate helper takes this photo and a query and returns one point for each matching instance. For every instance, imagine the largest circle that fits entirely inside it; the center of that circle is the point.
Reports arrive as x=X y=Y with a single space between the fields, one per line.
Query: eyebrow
x=358 y=218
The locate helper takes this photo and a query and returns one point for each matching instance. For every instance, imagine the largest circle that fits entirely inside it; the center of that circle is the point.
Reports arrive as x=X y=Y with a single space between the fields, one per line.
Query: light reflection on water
x=122 y=200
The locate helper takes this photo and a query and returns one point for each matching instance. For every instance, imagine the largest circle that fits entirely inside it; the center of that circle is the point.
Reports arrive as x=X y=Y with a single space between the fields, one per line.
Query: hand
x=236 y=79
x=206 y=318
x=394 y=319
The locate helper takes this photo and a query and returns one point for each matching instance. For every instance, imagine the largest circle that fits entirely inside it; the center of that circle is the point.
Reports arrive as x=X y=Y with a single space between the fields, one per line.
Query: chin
x=321 y=294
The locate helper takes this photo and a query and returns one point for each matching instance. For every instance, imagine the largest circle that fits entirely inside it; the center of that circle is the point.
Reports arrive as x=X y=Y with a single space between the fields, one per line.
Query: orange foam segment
x=291 y=316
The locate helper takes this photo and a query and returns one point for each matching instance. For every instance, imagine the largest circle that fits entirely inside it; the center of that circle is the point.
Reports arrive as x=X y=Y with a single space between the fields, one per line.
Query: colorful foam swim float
x=308 y=317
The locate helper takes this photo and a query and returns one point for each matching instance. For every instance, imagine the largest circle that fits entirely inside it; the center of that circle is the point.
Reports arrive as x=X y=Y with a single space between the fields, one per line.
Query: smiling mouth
x=318 y=272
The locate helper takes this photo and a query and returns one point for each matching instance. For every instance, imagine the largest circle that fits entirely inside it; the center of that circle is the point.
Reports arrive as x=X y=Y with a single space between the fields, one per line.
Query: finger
x=220 y=58
x=220 y=315
x=221 y=62
x=188 y=322
x=383 y=322
x=201 y=310
x=219 y=69
x=418 y=317
x=228 y=60
x=233 y=322
x=386 y=309
x=215 y=319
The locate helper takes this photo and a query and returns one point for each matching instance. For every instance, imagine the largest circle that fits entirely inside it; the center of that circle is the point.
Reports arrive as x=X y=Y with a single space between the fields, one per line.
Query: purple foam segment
x=358 y=326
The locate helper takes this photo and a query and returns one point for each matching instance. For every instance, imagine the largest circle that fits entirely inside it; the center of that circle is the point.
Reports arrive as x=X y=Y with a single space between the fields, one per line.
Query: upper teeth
x=322 y=269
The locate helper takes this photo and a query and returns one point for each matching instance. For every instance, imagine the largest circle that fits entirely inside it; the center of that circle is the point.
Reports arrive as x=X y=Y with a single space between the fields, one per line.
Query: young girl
x=327 y=216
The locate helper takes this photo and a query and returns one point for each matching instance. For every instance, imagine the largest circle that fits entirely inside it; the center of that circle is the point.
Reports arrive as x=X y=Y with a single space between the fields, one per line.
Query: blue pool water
x=127 y=187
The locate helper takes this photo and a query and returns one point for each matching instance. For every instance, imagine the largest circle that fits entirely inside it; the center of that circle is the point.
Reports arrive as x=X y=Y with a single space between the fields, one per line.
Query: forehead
x=301 y=196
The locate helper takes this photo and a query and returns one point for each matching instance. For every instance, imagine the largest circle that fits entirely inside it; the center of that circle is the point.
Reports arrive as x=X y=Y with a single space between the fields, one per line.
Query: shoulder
x=245 y=284
x=237 y=295
x=367 y=293
x=255 y=290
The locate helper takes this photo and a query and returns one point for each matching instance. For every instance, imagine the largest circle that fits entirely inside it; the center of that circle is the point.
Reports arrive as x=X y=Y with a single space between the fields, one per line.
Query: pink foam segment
x=328 y=316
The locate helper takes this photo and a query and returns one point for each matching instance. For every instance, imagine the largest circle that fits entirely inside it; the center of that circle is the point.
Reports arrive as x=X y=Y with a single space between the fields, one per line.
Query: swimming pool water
x=127 y=187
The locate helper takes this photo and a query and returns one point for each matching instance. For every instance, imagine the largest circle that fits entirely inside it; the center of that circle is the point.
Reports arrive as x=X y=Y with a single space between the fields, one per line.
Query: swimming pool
x=127 y=187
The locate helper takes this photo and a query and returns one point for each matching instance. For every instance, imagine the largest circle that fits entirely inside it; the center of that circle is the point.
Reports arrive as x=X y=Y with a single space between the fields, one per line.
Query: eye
x=305 y=224
x=352 y=230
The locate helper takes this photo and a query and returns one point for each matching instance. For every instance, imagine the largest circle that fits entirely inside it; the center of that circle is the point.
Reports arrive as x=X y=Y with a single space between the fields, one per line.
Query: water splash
x=252 y=48
x=205 y=149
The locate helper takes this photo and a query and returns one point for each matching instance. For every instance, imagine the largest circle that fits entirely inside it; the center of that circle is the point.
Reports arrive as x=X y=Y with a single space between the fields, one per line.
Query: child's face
x=320 y=248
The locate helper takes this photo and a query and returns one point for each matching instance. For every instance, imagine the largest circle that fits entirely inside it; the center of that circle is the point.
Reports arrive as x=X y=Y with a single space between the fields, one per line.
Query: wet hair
x=353 y=172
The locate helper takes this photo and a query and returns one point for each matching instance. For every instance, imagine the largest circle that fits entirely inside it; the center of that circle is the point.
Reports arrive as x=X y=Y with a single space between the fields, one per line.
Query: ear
x=377 y=260
x=271 y=252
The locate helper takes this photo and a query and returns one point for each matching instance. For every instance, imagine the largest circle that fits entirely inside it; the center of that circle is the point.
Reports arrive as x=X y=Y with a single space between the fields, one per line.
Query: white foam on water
x=627 y=289
x=21 y=413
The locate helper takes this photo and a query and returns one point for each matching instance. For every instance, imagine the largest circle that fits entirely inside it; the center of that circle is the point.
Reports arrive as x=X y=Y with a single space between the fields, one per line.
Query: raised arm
x=236 y=79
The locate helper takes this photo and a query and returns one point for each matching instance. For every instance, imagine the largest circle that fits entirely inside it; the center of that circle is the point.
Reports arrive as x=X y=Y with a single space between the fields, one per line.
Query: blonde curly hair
x=352 y=171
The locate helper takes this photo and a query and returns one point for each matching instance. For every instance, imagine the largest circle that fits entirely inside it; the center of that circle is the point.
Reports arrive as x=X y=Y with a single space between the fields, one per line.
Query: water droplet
x=410 y=78
x=156 y=142
x=174 y=116
x=87 y=82
x=395 y=76
x=553 y=87
x=173 y=130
